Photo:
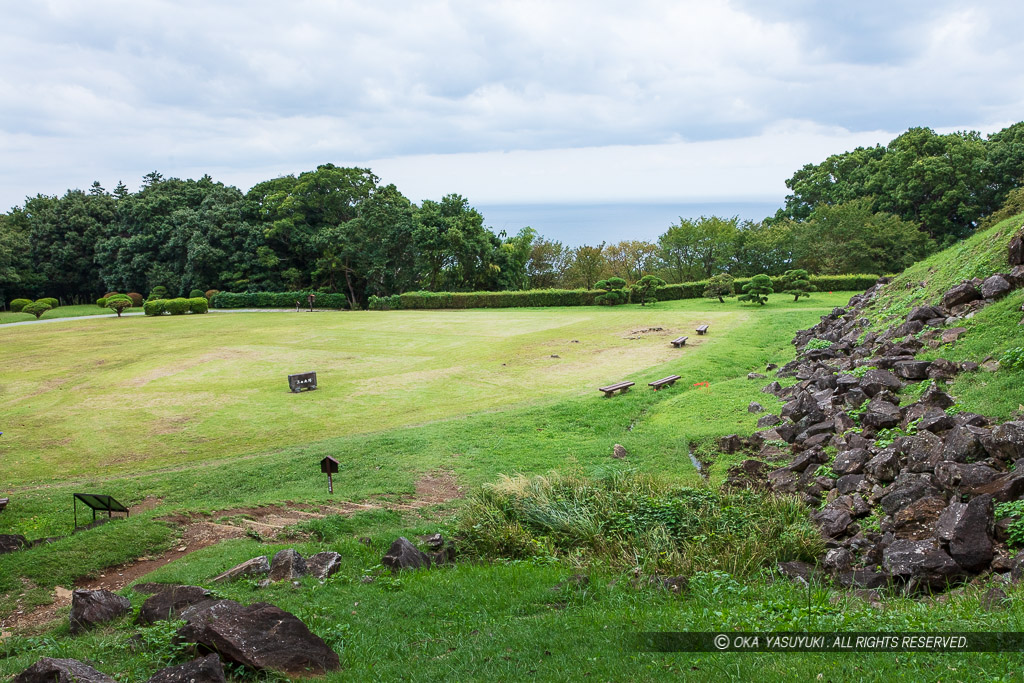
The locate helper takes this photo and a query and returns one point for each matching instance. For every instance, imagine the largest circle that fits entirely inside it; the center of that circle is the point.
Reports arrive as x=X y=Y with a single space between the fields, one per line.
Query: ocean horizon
x=575 y=224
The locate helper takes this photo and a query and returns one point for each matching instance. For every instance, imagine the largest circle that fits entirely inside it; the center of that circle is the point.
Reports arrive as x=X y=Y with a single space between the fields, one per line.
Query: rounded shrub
x=210 y=293
x=158 y=292
x=119 y=303
x=155 y=307
x=177 y=306
x=18 y=304
x=137 y=299
x=102 y=302
x=36 y=308
x=196 y=293
x=109 y=294
x=198 y=304
x=49 y=300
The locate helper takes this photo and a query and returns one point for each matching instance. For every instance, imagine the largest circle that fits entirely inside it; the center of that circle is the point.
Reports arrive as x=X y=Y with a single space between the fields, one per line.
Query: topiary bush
x=155 y=307
x=177 y=306
x=137 y=299
x=615 y=292
x=196 y=293
x=36 y=308
x=118 y=303
x=158 y=292
x=210 y=293
x=198 y=304
x=53 y=303
x=102 y=302
x=757 y=290
x=18 y=304
x=109 y=294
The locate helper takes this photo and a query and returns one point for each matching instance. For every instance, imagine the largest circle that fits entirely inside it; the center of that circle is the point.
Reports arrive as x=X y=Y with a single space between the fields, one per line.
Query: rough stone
x=168 y=602
x=50 y=670
x=862 y=578
x=952 y=334
x=833 y=521
x=935 y=421
x=922 y=561
x=917 y=520
x=942 y=369
x=922 y=451
x=924 y=313
x=1015 y=249
x=772 y=388
x=11 y=542
x=936 y=398
x=966 y=528
x=768 y=421
x=912 y=369
x=798 y=572
x=755 y=407
x=964 y=293
x=967 y=476
x=260 y=636
x=257 y=566
x=730 y=443
x=837 y=560
x=756 y=375
x=800 y=406
x=1007 y=442
x=905 y=490
x=89 y=608
x=404 y=555
x=995 y=286
x=964 y=444
x=1004 y=488
x=875 y=381
x=885 y=466
x=287 y=565
x=207 y=669
x=851 y=462
x=619 y=451
x=881 y=415
x=323 y=565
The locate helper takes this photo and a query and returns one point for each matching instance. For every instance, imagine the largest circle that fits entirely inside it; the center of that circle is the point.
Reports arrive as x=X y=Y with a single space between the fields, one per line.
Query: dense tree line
x=871 y=210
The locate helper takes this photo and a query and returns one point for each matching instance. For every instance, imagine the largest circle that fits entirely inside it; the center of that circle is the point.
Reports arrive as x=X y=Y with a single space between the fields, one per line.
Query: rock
x=912 y=369
x=964 y=444
x=796 y=571
x=917 y=520
x=11 y=542
x=922 y=452
x=258 y=566
x=833 y=522
x=755 y=407
x=935 y=421
x=851 y=462
x=875 y=381
x=994 y=598
x=1016 y=574
x=168 y=602
x=995 y=286
x=936 y=398
x=881 y=415
x=208 y=669
x=909 y=327
x=966 y=528
x=1015 y=249
x=756 y=375
x=619 y=451
x=768 y=421
x=1007 y=442
x=862 y=578
x=809 y=458
x=89 y=608
x=783 y=481
x=924 y=313
x=885 y=466
x=838 y=560
x=799 y=407
x=963 y=293
x=323 y=565
x=1004 y=488
x=260 y=636
x=942 y=369
x=849 y=483
x=924 y=561
x=772 y=388
x=952 y=334
x=404 y=555
x=730 y=443
x=287 y=565
x=905 y=490
x=49 y=670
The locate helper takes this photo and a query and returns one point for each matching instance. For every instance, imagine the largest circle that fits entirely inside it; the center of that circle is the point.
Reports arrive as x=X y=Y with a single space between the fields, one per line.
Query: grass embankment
x=60 y=312
x=990 y=332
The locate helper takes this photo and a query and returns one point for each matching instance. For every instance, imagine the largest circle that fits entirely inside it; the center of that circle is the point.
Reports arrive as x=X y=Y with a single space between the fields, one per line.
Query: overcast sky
x=499 y=101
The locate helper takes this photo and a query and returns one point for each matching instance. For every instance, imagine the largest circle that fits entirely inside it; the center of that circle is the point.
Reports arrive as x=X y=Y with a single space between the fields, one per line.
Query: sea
x=575 y=224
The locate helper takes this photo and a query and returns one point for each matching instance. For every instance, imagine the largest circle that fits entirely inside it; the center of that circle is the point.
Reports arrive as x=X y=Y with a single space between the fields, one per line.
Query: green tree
x=798 y=283
x=644 y=288
x=615 y=291
x=548 y=264
x=757 y=290
x=118 y=303
x=36 y=308
x=631 y=259
x=719 y=286
x=587 y=265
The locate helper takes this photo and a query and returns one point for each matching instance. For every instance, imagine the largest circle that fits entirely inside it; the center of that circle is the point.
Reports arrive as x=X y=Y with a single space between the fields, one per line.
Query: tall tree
x=587 y=265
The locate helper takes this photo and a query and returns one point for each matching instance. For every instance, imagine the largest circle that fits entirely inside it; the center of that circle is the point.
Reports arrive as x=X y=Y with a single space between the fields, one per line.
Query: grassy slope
x=501 y=621
x=989 y=333
x=60 y=312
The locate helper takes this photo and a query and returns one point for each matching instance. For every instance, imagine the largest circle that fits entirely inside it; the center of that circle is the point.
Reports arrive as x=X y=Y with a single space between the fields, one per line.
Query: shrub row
x=277 y=300
x=582 y=297
x=178 y=306
x=18 y=305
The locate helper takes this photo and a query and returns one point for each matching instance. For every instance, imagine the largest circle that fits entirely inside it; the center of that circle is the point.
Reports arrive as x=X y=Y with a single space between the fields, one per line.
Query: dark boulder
x=953 y=476
x=966 y=527
x=942 y=369
x=323 y=565
x=862 y=578
x=995 y=286
x=730 y=443
x=964 y=444
x=1004 y=488
x=49 y=670
x=798 y=572
x=89 y=608
x=168 y=602
x=207 y=669
x=917 y=520
x=258 y=566
x=837 y=560
x=1015 y=249
x=924 y=313
x=851 y=462
x=404 y=555
x=923 y=562
x=849 y=483
x=1007 y=441
x=875 y=381
x=768 y=421
x=287 y=565
x=773 y=388
x=935 y=420
x=881 y=415
x=800 y=406
x=755 y=407
x=833 y=521
x=912 y=369
x=921 y=452
x=885 y=466
x=260 y=636
x=905 y=490
x=963 y=293
x=936 y=398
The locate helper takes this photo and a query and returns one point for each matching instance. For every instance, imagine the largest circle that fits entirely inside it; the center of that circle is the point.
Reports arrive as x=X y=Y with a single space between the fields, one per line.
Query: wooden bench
x=702 y=329
x=663 y=382
x=3 y=503
x=610 y=390
x=681 y=341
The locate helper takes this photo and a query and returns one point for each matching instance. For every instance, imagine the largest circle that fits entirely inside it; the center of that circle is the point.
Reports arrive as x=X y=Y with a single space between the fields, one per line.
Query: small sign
x=329 y=466
x=303 y=380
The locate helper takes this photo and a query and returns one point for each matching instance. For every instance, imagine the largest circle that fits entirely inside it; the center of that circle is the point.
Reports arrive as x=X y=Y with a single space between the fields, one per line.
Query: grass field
x=193 y=414
x=59 y=312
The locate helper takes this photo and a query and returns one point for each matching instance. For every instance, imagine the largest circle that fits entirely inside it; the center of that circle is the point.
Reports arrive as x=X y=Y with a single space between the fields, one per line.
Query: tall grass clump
x=632 y=520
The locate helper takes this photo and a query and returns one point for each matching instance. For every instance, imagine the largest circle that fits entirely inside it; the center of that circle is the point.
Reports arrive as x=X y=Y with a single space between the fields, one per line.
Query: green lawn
x=60 y=312
x=194 y=413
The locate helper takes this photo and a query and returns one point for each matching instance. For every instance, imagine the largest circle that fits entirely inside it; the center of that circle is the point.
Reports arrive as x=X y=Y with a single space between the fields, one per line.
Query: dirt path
x=266 y=522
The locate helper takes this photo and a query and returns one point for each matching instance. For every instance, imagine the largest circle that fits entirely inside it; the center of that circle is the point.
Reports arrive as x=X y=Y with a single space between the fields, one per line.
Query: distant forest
x=333 y=229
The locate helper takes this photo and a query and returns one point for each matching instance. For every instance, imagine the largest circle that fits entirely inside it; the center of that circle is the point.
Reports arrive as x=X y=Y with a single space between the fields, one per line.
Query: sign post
x=329 y=466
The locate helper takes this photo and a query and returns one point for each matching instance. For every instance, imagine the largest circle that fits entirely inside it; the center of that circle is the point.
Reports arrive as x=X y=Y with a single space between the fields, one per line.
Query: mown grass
x=59 y=312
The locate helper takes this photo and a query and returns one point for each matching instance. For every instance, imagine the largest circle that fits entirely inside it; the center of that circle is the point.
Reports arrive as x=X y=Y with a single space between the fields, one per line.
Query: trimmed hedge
x=102 y=302
x=178 y=306
x=155 y=307
x=18 y=304
x=137 y=299
x=578 y=297
x=198 y=304
x=277 y=300
x=49 y=300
